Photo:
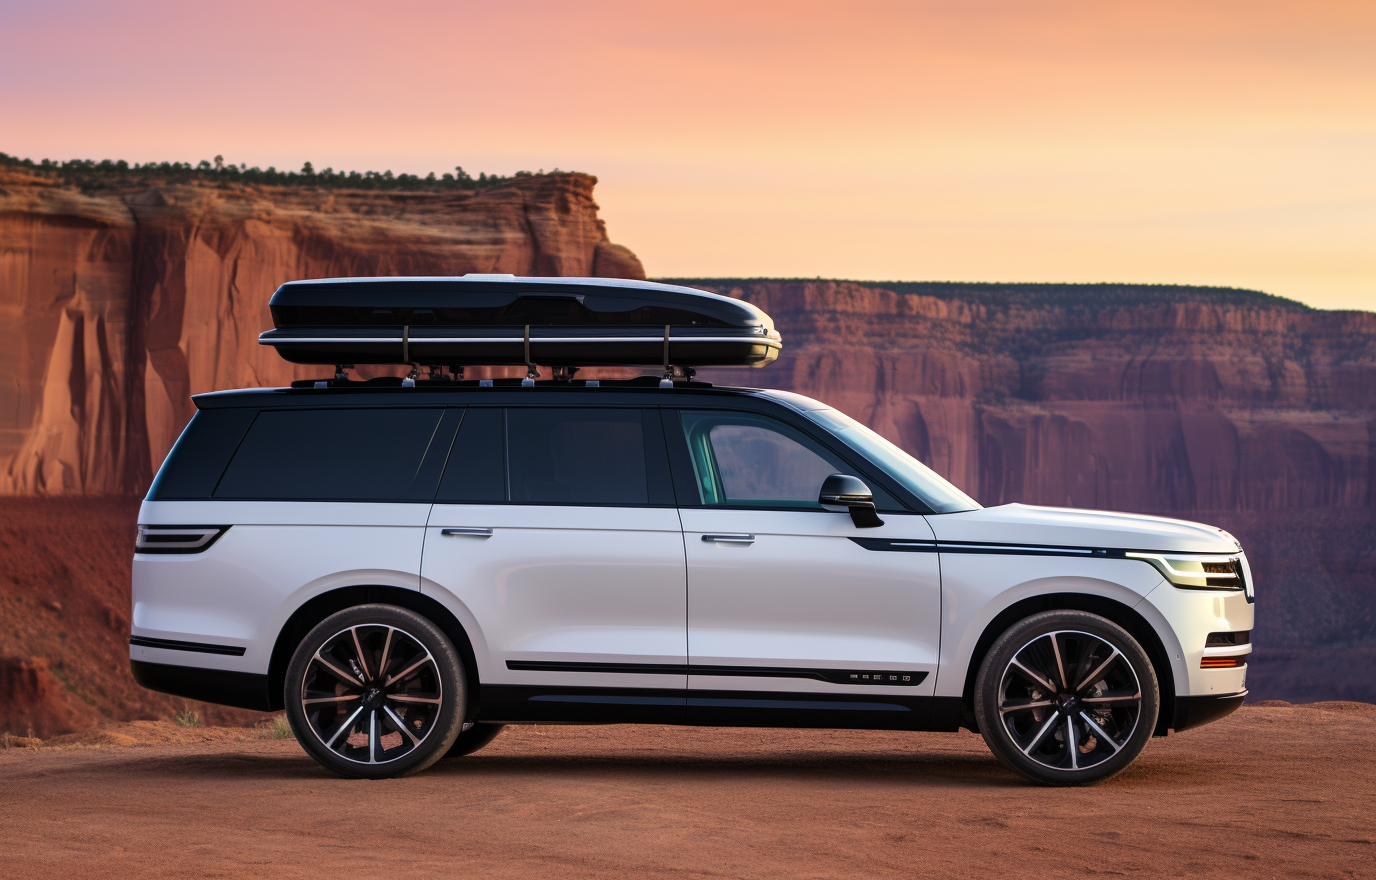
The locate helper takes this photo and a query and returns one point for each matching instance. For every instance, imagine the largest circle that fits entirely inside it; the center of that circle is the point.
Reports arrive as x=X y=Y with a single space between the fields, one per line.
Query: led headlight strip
x=1197 y=572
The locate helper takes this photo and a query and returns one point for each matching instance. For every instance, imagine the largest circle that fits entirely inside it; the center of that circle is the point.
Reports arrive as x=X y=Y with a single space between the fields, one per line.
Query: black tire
x=475 y=737
x=1066 y=698
x=375 y=691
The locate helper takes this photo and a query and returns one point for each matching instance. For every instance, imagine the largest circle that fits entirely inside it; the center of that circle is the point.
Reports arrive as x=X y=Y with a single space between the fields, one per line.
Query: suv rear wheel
x=375 y=691
x=1066 y=698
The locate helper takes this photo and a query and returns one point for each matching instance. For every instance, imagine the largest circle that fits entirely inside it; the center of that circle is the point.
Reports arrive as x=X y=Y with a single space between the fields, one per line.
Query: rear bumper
x=1198 y=711
x=242 y=690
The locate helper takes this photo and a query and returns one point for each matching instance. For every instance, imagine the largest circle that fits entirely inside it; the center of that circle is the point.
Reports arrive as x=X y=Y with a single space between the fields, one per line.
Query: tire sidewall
x=452 y=682
x=1013 y=640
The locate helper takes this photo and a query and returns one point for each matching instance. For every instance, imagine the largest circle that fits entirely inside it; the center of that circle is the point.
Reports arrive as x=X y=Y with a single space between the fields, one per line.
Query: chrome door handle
x=478 y=533
x=729 y=539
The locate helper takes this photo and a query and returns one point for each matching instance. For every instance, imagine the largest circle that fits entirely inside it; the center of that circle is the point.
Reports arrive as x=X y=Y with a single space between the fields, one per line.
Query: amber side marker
x=1223 y=662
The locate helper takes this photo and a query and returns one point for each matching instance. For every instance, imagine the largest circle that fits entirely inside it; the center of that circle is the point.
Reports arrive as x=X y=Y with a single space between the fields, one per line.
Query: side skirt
x=518 y=704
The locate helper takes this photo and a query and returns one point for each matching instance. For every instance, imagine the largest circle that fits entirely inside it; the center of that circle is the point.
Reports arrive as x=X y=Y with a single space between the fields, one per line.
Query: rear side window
x=576 y=456
x=336 y=455
x=476 y=472
x=597 y=456
x=195 y=464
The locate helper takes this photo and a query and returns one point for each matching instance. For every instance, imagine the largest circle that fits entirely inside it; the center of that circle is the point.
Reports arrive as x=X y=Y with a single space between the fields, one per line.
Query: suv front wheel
x=1066 y=698
x=375 y=691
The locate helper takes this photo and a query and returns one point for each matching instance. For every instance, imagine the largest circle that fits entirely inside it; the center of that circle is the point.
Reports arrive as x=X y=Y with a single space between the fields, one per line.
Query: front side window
x=745 y=460
x=934 y=490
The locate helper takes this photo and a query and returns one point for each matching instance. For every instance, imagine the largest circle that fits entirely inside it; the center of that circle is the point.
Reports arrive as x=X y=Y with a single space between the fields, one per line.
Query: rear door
x=555 y=532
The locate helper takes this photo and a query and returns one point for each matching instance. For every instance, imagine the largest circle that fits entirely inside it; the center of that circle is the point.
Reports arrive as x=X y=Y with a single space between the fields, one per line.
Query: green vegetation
x=278 y=727
x=88 y=174
x=1041 y=296
x=187 y=718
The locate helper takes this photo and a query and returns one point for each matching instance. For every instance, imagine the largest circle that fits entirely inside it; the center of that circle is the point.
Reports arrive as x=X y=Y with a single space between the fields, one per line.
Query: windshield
x=916 y=477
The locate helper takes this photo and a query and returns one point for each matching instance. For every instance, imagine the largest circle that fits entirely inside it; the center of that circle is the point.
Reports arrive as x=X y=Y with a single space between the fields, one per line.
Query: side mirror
x=844 y=492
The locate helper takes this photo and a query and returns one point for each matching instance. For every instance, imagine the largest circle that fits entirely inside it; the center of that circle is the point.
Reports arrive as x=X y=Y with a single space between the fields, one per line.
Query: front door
x=555 y=531
x=795 y=615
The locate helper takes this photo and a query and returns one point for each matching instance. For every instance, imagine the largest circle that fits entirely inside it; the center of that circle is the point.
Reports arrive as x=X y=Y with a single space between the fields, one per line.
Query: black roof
x=643 y=391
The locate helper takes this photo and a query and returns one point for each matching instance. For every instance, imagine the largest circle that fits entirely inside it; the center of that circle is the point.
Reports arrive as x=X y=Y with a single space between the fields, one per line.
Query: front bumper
x=1198 y=711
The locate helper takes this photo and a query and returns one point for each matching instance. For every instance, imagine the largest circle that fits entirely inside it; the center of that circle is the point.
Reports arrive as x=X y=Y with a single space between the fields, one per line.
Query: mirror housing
x=844 y=492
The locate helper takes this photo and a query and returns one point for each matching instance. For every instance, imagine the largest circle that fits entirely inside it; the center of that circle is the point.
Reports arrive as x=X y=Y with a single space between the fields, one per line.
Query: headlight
x=1198 y=572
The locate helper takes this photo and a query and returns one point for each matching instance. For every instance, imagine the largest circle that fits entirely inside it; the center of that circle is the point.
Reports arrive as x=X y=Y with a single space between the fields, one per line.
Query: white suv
x=407 y=569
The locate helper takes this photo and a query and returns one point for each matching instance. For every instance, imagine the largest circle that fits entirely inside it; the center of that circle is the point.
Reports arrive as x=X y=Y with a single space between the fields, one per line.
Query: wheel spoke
x=386 y=650
x=308 y=701
x=362 y=661
x=1114 y=699
x=372 y=737
x=407 y=671
x=401 y=725
x=1034 y=676
x=407 y=698
x=1097 y=673
x=348 y=723
x=1026 y=706
x=1099 y=731
x=1070 y=745
x=1041 y=734
x=346 y=676
x=1060 y=665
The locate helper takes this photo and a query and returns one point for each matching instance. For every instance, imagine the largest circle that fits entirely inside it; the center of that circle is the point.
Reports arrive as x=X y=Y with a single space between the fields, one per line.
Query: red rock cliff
x=1130 y=399
x=117 y=305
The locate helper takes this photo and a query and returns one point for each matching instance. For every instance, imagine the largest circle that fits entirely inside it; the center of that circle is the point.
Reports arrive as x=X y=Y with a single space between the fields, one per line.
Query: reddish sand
x=1273 y=791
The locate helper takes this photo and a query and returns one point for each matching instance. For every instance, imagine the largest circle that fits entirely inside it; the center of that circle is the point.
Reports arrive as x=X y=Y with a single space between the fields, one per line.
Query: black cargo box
x=506 y=320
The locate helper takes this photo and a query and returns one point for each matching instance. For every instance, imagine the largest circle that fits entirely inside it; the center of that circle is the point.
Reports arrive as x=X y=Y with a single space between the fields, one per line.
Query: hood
x=1067 y=527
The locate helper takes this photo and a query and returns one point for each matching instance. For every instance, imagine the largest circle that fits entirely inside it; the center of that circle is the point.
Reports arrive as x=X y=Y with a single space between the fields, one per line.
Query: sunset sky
x=1229 y=143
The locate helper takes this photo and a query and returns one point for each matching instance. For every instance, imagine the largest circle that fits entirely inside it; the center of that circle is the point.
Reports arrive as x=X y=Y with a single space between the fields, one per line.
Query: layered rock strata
x=117 y=305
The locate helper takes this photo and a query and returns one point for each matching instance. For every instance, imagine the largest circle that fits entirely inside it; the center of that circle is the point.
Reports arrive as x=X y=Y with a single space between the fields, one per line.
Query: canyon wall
x=1178 y=399
x=118 y=304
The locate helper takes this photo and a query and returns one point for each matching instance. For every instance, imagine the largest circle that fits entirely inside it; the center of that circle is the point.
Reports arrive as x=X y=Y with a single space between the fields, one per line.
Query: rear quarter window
x=337 y=455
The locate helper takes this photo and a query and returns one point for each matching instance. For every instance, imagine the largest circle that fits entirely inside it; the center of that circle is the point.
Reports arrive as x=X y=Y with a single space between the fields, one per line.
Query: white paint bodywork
x=639 y=585
x=804 y=595
x=558 y=583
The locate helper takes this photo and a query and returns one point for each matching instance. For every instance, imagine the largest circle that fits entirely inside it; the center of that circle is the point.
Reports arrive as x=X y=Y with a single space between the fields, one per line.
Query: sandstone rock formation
x=1162 y=400
x=117 y=305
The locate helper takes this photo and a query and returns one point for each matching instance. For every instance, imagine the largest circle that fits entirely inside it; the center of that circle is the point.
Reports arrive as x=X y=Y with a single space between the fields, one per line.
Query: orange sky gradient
x=1229 y=143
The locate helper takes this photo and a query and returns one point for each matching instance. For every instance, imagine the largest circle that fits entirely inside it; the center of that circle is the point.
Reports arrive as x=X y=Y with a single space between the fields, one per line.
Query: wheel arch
x=312 y=612
x=1123 y=615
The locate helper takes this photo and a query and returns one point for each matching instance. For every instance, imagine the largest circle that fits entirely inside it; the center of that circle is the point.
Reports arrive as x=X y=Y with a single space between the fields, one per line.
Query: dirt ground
x=1273 y=791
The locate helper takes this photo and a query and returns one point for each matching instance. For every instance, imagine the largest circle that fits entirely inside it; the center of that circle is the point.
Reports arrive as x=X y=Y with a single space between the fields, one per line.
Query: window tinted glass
x=753 y=461
x=197 y=461
x=476 y=472
x=576 y=456
x=334 y=455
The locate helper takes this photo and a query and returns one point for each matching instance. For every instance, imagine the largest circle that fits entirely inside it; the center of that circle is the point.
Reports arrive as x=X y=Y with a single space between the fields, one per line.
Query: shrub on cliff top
x=107 y=173
x=1033 y=295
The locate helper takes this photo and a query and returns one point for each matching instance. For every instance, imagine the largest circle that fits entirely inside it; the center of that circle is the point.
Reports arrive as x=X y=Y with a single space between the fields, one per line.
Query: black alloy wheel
x=1066 y=698
x=375 y=691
